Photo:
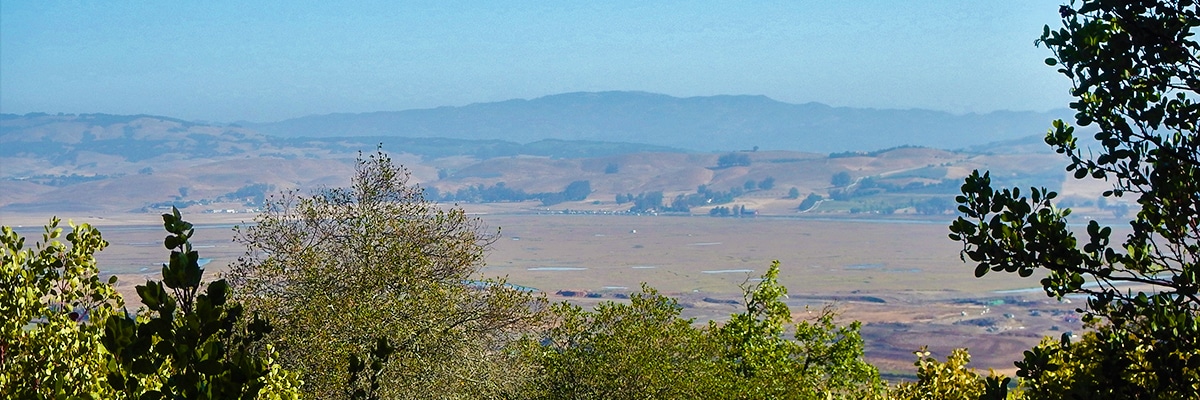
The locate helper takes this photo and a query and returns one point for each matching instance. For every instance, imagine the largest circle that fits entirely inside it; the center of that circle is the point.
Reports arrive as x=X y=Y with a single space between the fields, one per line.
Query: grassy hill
x=56 y=164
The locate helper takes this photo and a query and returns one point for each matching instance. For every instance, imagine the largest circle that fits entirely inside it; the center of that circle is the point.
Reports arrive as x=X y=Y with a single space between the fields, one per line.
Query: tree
x=1133 y=67
x=824 y=361
x=934 y=206
x=190 y=344
x=767 y=183
x=841 y=179
x=577 y=190
x=809 y=202
x=341 y=269
x=53 y=305
x=733 y=160
x=645 y=350
x=793 y=193
x=950 y=380
x=642 y=349
x=749 y=185
x=647 y=202
x=63 y=337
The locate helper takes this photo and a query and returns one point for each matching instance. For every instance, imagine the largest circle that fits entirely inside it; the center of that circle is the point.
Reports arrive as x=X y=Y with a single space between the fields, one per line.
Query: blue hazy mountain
x=713 y=123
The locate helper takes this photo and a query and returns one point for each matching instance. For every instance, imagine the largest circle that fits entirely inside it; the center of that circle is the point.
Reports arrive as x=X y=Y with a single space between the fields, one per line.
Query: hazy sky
x=226 y=61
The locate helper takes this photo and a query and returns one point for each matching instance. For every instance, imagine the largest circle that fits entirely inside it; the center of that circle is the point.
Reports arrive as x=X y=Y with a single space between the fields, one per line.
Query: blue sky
x=226 y=61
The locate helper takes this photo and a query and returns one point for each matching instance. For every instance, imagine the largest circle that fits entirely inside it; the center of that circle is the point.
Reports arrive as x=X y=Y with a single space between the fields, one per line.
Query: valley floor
x=902 y=278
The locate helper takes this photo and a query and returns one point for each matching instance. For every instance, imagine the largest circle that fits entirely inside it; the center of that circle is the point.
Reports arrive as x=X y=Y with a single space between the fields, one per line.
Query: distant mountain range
x=713 y=123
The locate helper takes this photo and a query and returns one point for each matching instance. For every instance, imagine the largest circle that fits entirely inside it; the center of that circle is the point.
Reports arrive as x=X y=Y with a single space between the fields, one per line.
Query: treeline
x=64 y=180
x=703 y=196
x=501 y=193
x=845 y=154
x=735 y=211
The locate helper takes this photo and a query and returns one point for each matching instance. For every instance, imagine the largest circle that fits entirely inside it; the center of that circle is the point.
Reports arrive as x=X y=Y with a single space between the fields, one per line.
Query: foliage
x=705 y=196
x=63 y=338
x=646 y=202
x=365 y=385
x=793 y=193
x=500 y=192
x=643 y=349
x=638 y=350
x=496 y=193
x=934 y=206
x=824 y=360
x=1133 y=66
x=575 y=191
x=736 y=211
x=341 y=269
x=841 y=179
x=809 y=202
x=52 y=301
x=189 y=344
x=950 y=380
x=767 y=183
x=252 y=194
x=733 y=160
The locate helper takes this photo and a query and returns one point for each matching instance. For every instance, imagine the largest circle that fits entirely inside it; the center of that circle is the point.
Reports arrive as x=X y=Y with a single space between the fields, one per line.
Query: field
x=902 y=278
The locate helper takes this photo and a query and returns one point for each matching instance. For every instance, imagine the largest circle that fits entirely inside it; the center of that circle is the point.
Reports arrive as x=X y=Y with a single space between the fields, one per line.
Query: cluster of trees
x=253 y=194
x=735 y=211
x=810 y=201
x=767 y=183
x=703 y=196
x=934 y=205
x=868 y=186
x=733 y=160
x=841 y=179
x=645 y=349
x=500 y=193
x=846 y=154
x=643 y=202
x=65 y=332
x=64 y=180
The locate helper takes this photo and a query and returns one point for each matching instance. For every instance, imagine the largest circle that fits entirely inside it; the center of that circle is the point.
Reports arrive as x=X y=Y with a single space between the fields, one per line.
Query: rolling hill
x=98 y=164
x=714 y=123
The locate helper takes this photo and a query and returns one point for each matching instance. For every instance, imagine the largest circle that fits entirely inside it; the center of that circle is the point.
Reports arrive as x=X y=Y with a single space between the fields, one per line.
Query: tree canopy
x=343 y=268
x=1133 y=68
x=63 y=336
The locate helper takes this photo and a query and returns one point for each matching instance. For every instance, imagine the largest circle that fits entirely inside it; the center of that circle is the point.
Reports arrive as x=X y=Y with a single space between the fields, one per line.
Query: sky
x=225 y=61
